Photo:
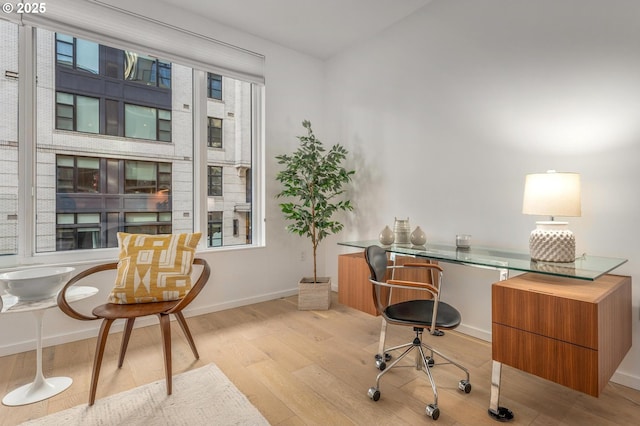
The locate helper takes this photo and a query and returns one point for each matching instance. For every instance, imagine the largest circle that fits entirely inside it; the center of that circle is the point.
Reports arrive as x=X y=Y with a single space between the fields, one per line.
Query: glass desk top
x=584 y=267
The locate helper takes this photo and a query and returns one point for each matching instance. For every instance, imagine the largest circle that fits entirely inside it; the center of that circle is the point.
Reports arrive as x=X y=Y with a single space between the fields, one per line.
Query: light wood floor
x=314 y=368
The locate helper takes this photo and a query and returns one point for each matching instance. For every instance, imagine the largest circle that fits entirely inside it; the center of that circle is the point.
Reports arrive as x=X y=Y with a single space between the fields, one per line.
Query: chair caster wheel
x=381 y=361
x=464 y=386
x=374 y=393
x=431 y=362
x=433 y=411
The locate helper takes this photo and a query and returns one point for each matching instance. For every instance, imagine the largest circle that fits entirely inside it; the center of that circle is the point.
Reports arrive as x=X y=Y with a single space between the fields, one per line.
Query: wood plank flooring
x=314 y=368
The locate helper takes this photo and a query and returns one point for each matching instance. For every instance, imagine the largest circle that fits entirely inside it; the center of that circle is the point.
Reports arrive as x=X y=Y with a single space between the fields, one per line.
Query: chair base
x=424 y=363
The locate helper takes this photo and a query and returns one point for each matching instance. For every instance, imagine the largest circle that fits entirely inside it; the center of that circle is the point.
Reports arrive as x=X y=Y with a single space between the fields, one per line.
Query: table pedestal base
x=37 y=391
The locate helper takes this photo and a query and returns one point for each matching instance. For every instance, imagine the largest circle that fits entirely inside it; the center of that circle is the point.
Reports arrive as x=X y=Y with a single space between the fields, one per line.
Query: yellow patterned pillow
x=154 y=268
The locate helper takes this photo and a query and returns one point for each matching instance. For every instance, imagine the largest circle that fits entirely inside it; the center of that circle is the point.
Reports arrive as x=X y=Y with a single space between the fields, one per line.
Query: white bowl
x=36 y=283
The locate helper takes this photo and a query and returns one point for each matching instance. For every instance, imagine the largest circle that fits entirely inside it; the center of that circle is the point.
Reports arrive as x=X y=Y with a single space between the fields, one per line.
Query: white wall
x=294 y=84
x=445 y=112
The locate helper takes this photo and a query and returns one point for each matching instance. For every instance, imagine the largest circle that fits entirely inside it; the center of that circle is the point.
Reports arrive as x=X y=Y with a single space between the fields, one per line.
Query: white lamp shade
x=552 y=194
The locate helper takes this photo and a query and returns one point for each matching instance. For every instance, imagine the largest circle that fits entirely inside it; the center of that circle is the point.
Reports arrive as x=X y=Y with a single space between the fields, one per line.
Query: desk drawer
x=535 y=311
x=570 y=365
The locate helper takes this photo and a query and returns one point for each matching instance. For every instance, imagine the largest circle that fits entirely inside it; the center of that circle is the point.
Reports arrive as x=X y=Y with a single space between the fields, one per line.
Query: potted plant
x=313 y=180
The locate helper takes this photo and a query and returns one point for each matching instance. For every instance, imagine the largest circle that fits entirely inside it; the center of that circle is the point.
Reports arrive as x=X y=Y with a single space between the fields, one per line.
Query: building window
x=78 y=54
x=214 y=229
x=78 y=231
x=99 y=197
x=148 y=223
x=147 y=70
x=214 y=133
x=214 y=181
x=147 y=123
x=214 y=86
x=77 y=113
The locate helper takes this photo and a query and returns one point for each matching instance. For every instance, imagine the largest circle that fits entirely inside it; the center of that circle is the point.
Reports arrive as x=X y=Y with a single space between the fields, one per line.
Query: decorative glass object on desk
x=463 y=241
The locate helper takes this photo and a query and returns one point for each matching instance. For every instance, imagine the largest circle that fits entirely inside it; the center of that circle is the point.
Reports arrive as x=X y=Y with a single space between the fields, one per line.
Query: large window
x=91 y=151
x=10 y=182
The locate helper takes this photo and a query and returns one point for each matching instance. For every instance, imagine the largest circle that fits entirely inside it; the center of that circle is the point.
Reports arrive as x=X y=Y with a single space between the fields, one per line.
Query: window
x=147 y=123
x=214 y=181
x=79 y=113
x=90 y=140
x=214 y=86
x=147 y=70
x=97 y=197
x=77 y=53
x=11 y=183
x=214 y=229
x=214 y=133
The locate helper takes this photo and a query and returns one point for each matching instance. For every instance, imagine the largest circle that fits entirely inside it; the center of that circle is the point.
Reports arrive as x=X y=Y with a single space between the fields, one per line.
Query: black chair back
x=376 y=258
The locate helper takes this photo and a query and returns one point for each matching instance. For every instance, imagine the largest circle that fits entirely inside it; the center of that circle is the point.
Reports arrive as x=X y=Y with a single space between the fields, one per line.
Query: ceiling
x=320 y=28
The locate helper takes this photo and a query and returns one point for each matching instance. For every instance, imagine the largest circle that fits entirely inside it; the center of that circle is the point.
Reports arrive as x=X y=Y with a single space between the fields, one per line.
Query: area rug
x=204 y=396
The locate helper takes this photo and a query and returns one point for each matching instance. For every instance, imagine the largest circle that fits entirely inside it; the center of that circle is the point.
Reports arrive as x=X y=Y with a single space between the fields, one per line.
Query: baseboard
x=474 y=332
x=626 y=379
x=89 y=332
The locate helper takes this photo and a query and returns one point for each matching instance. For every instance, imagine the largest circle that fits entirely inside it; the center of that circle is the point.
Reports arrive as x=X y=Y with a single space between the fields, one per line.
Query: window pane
x=164 y=75
x=140 y=177
x=89 y=218
x=88 y=114
x=87 y=56
x=141 y=217
x=139 y=122
x=112 y=118
x=105 y=170
x=9 y=180
x=214 y=86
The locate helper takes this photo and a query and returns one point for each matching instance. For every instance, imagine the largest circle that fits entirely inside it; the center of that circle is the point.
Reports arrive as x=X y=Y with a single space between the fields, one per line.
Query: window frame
x=27 y=122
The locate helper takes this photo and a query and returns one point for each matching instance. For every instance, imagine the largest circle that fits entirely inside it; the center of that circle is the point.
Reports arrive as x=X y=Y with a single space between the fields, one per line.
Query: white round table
x=41 y=388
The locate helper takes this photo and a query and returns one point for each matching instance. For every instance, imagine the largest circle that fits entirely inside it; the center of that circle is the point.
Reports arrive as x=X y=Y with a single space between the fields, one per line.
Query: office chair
x=418 y=314
x=110 y=312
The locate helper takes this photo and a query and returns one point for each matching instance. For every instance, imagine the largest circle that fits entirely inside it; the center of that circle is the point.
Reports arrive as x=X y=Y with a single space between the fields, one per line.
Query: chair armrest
x=413 y=285
x=195 y=289
x=62 y=295
x=422 y=265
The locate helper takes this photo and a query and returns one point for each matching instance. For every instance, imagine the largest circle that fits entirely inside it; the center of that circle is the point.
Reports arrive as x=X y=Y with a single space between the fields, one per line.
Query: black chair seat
x=416 y=312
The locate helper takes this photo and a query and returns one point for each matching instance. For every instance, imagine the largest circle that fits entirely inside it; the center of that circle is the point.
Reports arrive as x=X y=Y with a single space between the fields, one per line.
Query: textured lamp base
x=552 y=242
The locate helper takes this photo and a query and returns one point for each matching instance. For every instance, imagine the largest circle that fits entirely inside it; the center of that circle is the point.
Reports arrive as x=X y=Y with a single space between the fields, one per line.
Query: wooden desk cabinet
x=355 y=290
x=569 y=331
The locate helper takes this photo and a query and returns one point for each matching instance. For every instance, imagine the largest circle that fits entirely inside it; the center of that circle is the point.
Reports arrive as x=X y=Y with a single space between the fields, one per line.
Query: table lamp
x=552 y=194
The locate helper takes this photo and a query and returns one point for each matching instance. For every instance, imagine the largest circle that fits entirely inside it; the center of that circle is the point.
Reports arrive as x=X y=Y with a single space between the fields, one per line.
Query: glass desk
x=584 y=267
x=588 y=268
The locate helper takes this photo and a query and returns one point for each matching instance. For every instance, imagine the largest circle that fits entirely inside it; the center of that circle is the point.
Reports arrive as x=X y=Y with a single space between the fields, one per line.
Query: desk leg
x=498 y=413
x=501 y=414
x=41 y=388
